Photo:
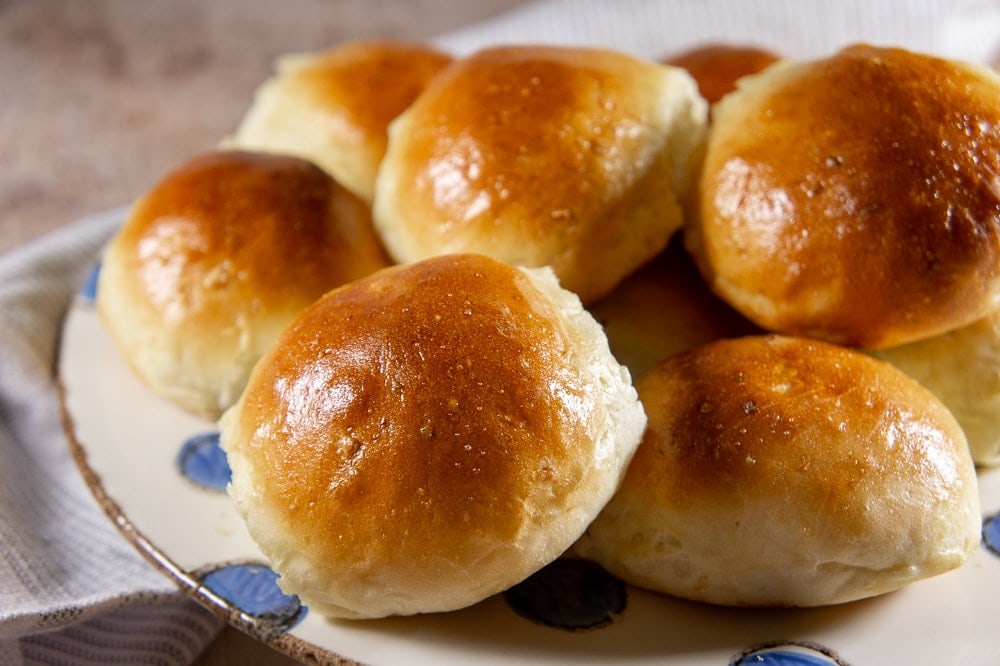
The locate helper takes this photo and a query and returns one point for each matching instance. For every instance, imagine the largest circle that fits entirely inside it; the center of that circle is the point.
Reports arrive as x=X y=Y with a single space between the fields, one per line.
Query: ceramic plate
x=160 y=476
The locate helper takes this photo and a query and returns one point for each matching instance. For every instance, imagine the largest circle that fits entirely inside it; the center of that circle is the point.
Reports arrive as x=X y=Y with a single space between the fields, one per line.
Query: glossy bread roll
x=568 y=157
x=962 y=368
x=777 y=471
x=216 y=259
x=334 y=107
x=854 y=198
x=428 y=436
x=717 y=67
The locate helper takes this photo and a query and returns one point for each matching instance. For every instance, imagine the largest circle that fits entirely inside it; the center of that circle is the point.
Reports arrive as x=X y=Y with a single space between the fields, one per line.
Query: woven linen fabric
x=72 y=590
x=964 y=29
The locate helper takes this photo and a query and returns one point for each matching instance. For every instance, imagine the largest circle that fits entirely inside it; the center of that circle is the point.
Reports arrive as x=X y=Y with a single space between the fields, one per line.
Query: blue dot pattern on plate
x=788 y=654
x=202 y=461
x=569 y=594
x=253 y=590
x=991 y=533
x=88 y=291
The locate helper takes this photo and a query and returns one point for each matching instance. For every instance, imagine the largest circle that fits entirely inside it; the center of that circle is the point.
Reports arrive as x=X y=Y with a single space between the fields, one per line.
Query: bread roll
x=962 y=368
x=717 y=67
x=334 y=107
x=781 y=472
x=431 y=435
x=216 y=259
x=854 y=198
x=662 y=309
x=542 y=155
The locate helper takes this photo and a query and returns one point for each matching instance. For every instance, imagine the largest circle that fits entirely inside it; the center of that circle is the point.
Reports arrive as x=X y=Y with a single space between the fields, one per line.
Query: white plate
x=127 y=443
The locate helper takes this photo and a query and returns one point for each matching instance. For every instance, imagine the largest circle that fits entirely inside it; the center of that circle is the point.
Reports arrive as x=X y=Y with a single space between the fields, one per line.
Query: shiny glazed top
x=417 y=414
x=856 y=198
x=506 y=118
x=835 y=440
x=235 y=232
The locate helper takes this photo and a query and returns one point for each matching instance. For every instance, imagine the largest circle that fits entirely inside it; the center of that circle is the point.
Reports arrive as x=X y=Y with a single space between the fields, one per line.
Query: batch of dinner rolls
x=726 y=323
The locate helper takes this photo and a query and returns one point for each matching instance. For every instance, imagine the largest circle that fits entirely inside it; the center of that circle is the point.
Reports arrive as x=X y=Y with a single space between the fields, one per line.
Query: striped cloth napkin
x=71 y=589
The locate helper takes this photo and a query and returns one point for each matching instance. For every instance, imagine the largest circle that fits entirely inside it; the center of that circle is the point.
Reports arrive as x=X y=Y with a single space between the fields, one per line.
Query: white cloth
x=964 y=29
x=71 y=589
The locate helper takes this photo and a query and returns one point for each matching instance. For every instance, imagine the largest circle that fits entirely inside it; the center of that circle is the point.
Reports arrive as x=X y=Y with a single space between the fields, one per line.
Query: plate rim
x=187 y=581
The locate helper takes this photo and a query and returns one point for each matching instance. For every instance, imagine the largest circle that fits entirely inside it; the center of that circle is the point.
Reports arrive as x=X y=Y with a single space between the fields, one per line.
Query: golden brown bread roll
x=216 y=259
x=854 y=198
x=428 y=436
x=717 y=67
x=334 y=107
x=777 y=471
x=662 y=309
x=962 y=368
x=541 y=155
